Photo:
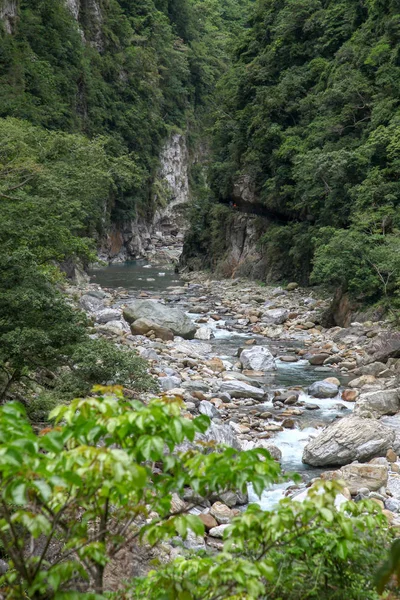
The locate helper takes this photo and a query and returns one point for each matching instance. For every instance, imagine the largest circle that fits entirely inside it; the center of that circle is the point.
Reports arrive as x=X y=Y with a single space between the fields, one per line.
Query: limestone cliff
x=159 y=235
x=8 y=14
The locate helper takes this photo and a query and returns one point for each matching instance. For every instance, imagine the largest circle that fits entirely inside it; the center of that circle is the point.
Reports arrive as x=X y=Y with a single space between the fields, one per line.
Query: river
x=139 y=277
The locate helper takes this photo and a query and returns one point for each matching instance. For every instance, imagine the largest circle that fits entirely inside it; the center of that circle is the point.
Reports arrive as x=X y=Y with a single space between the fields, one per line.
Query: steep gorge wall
x=8 y=14
x=159 y=234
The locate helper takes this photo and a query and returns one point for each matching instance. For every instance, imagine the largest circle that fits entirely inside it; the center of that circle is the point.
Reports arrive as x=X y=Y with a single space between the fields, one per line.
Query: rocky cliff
x=158 y=235
x=8 y=13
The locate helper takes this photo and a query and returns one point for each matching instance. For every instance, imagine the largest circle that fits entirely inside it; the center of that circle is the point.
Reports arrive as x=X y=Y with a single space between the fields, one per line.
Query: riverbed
x=140 y=279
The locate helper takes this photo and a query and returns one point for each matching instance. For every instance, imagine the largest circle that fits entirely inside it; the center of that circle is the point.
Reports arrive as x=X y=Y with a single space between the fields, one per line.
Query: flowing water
x=135 y=276
x=139 y=276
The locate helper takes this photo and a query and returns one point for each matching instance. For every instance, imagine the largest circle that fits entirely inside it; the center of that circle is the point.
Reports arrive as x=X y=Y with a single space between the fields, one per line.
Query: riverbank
x=268 y=375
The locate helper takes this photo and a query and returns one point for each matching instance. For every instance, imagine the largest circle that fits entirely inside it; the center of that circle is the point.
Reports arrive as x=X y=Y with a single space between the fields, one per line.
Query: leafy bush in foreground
x=102 y=480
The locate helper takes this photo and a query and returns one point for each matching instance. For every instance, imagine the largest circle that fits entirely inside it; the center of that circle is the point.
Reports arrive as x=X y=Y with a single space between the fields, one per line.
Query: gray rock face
x=9 y=14
x=385 y=346
x=393 y=486
x=323 y=389
x=257 y=358
x=208 y=409
x=394 y=424
x=108 y=314
x=171 y=318
x=91 y=303
x=376 y=404
x=192 y=349
x=240 y=389
x=275 y=316
x=169 y=383
x=349 y=439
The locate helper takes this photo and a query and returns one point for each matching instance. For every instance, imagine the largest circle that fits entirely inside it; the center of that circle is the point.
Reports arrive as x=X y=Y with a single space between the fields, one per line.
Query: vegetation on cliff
x=308 y=115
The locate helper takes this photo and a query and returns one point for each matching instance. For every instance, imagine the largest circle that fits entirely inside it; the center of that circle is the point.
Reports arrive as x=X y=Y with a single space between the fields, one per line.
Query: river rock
x=257 y=358
x=107 y=314
x=194 y=349
x=363 y=380
x=221 y=513
x=218 y=532
x=350 y=395
x=379 y=403
x=348 y=439
x=169 y=383
x=240 y=389
x=374 y=369
x=208 y=409
x=323 y=389
x=143 y=326
x=194 y=542
x=91 y=303
x=275 y=316
x=357 y=476
x=171 y=318
x=219 y=434
x=114 y=327
x=204 y=333
x=318 y=359
x=386 y=345
x=208 y=521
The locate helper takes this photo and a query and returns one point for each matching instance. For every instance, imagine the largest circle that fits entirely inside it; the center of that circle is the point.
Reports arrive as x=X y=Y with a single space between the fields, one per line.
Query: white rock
x=257 y=358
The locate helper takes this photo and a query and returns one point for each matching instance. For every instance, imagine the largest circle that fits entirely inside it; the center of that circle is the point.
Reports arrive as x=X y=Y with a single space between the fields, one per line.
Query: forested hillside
x=308 y=118
x=125 y=70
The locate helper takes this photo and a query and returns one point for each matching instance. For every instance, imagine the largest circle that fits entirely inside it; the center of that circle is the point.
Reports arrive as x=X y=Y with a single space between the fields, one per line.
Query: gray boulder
x=379 y=403
x=91 y=303
x=275 y=316
x=348 y=439
x=208 y=409
x=240 y=389
x=169 y=383
x=108 y=314
x=384 y=346
x=257 y=358
x=323 y=389
x=171 y=318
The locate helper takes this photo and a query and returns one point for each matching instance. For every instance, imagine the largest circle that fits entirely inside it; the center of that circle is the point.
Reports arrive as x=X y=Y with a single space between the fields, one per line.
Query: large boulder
x=143 y=326
x=394 y=423
x=358 y=475
x=108 y=314
x=384 y=346
x=240 y=389
x=348 y=439
x=171 y=318
x=257 y=358
x=379 y=403
x=216 y=434
x=323 y=389
x=275 y=316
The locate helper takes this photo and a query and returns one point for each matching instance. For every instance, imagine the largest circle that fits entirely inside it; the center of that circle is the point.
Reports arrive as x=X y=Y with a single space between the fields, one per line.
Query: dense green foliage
x=143 y=68
x=86 y=102
x=52 y=189
x=309 y=113
x=75 y=496
x=305 y=550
